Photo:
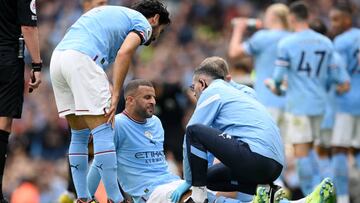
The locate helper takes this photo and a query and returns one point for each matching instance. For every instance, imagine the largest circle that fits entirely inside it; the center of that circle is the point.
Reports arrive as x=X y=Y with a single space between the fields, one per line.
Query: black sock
x=4 y=139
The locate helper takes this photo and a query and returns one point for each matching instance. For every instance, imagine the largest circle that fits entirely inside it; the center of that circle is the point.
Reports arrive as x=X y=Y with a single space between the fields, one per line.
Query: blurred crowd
x=199 y=28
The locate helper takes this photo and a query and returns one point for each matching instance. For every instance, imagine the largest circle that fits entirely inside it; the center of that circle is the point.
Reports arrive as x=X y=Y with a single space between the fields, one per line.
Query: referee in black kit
x=17 y=27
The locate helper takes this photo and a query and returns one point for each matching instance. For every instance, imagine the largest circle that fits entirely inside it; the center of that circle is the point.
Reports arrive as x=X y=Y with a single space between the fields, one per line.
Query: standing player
x=262 y=46
x=305 y=58
x=82 y=91
x=346 y=132
x=17 y=18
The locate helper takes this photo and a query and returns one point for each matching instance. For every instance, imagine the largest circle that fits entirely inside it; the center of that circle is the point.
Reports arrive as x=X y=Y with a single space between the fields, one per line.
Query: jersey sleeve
x=337 y=69
x=282 y=63
x=142 y=28
x=26 y=10
x=255 y=44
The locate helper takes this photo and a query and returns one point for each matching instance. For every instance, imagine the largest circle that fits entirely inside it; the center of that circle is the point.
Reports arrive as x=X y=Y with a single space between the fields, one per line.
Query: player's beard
x=146 y=112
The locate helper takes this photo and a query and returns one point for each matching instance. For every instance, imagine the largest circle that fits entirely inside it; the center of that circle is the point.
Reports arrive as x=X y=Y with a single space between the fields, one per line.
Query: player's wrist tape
x=36 y=66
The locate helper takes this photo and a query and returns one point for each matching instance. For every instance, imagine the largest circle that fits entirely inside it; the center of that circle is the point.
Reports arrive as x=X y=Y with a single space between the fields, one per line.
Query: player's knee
x=194 y=130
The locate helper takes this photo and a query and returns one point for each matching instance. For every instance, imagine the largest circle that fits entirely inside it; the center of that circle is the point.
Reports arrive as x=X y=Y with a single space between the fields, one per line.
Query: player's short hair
x=151 y=7
x=300 y=10
x=344 y=8
x=133 y=85
x=319 y=26
x=281 y=11
x=215 y=67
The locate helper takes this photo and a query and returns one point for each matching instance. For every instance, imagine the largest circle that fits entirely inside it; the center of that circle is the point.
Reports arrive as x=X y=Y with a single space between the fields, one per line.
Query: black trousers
x=240 y=168
x=11 y=83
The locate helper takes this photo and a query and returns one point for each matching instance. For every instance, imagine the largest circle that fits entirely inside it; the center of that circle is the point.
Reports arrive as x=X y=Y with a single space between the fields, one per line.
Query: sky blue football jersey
x=100 y=32
x=262 y=46
x=347 y=44
x=140 y=155
x=305 y=58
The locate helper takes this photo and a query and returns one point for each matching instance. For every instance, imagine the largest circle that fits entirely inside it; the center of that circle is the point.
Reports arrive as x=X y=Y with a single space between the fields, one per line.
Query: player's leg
x=11 y=102
x=91 y=90
x=341 y=141
x=249 y=167
x=221 y=177
x=93 y=180
x=323 y=149
x=356 y=142
x=78 y=154
x=319 y=154
x=300 y=133
x=5 y=128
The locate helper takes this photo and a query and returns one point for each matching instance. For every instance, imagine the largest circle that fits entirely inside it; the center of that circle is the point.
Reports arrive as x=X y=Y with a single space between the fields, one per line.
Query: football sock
x=4 y=139
x=93 y=179
x=316 y=177
x=199 y=194
x=305 y=172
x=357 y=160
x=341 y=177
x=78 y=158
x=105 y=160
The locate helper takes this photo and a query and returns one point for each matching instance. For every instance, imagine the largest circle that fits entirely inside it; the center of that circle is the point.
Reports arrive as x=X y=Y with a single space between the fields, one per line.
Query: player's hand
x=113 y=106
x=35 y=80
x=179 y=191
x=270 y=84
x=342 y=88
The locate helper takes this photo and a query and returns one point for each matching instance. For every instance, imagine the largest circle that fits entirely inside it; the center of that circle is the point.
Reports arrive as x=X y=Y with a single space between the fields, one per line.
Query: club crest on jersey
x=148 y=134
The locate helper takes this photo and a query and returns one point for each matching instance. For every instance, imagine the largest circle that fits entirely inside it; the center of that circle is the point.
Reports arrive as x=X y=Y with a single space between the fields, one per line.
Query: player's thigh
x=63 y=95
x=321 y=136
x=76 y=122
x=93 y=121
x=89 y=84
x=324 y=140
x=356 y=135
x=343 y=130
x=299 y=128
x=162 y=193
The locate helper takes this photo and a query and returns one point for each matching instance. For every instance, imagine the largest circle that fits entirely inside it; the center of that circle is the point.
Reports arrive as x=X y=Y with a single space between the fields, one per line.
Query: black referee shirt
x=14 y=14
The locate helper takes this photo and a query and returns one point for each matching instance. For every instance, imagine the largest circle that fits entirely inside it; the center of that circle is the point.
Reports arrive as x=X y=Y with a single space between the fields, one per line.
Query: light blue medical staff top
x=262 y=46
x=140 y=155
x=229 y=110
x=305 y=57
x=244 y=88
x=100 y=32
x=340 y=66
x=347 y=44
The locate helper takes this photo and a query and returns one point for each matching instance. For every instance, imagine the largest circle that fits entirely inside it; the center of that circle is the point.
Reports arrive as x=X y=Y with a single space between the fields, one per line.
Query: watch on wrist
x=36 y=66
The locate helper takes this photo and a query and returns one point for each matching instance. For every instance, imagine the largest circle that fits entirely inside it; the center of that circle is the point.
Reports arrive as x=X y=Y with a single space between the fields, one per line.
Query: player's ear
x=202 y=82
x=154 y=20
x=228 y=77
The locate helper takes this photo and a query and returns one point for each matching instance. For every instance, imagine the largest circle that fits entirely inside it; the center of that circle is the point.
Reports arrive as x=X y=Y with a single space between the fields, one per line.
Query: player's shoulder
x=261 y=33
x=121 y=118
x=287 y=41
x=347 y=37
x=154 y=119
